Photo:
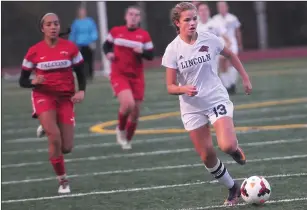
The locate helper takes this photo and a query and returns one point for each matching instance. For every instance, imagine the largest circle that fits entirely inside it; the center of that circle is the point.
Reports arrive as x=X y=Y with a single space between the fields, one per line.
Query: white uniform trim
x=77 y=59
x=27 y=64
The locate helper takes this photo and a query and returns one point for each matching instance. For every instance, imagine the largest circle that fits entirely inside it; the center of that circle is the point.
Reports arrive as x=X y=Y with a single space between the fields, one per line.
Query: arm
x=27 y=66
x=173 y=88
x=24 y=79
x=77 y=62
x=148 y=51
x=107 y=47
x=79 y=70
x=171 y=83
x=148 y=54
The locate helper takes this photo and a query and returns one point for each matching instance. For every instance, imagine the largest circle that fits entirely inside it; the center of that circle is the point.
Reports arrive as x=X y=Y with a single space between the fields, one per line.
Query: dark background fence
x=287 y=23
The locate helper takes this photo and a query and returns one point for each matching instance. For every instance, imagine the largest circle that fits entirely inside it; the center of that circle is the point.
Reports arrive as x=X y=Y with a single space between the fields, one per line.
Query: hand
x=78 y=97
x=247 y=86
x=138 y=50
x=110 y=56
x=190 y=90
x=38 y=80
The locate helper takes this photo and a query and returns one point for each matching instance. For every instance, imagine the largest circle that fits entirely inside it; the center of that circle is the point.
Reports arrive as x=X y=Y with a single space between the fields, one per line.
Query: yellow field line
x=101 y=128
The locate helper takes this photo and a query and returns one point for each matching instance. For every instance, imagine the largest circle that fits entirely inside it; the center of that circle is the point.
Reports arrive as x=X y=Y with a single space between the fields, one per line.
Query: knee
x=53 y=135
x=127 y=107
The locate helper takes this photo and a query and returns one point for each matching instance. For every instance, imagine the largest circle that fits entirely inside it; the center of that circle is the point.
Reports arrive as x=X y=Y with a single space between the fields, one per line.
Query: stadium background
x=162 y=171
x=287 y=23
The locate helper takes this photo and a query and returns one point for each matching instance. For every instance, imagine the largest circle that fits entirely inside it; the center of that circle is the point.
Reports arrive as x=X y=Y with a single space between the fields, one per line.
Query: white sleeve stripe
x=110 y=38
x=148 y=45
x=27 y=64
x=77 y=59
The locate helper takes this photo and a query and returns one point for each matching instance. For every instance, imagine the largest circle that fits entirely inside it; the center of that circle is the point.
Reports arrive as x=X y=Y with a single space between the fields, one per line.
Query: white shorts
x=192 y=121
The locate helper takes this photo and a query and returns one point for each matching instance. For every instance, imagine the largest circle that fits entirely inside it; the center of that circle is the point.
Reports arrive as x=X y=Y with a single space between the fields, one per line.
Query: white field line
x=88 y=124
x=109 y=103
x=93 y=117
x=143 y=154
x=77 y=136
x=106 y=144
x=74 y=195
x=245 y=204
x=150 y=169
x=33 y=129
x=90 y=135
x=44 y=139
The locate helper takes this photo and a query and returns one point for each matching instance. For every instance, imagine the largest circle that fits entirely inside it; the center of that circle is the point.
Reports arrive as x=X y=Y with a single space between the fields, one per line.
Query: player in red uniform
x=125 y=47
x=53 y=90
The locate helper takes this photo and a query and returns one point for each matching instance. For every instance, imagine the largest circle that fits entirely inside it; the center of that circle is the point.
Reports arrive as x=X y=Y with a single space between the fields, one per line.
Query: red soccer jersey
x=55 y=64
x=126 y=61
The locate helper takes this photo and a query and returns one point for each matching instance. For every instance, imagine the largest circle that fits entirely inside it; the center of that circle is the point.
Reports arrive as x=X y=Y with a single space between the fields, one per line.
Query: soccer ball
x=255 y=190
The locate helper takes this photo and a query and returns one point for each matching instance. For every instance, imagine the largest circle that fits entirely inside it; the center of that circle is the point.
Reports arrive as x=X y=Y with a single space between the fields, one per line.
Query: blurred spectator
x=84 y=34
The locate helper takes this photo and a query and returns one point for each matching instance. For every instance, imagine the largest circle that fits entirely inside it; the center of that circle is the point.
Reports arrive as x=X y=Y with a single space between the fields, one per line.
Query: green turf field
x=162 y=171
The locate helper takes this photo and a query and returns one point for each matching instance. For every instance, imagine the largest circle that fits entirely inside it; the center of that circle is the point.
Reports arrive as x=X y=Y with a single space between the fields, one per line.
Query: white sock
x=225 y=79
x=220 y=172
x=233 y=74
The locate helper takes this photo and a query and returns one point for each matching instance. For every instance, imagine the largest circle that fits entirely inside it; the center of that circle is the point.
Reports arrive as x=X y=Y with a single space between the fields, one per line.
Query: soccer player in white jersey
x=228 y=73
x=206 y=23
x=203 y=98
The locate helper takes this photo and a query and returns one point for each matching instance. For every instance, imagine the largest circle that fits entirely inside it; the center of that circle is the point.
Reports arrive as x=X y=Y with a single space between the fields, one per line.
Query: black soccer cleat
x=233 y=195
x=239 y=156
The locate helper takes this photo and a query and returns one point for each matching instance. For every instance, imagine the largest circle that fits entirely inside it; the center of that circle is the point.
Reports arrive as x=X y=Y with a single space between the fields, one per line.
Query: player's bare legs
x=67 y=136
x=202 y=141
x=48 y=120
x=132 y=123
x=127 y=106
x=227 y=141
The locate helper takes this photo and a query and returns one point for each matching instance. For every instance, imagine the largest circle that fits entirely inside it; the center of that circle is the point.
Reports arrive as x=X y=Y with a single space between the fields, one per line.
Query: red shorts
x=63 y=106
x=136 y=85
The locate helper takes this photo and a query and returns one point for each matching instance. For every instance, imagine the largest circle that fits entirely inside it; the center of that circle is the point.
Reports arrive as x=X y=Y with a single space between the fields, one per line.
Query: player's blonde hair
x=178 y=9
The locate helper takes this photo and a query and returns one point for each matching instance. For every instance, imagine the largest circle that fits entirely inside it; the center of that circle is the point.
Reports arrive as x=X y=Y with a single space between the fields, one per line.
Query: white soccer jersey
x=231 y=23
x=212 y=26
x=194 y=65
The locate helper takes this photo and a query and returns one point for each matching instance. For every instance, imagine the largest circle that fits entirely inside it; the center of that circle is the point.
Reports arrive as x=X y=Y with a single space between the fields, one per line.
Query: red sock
x=58 y=165
x=130 y=129
x=122 y=121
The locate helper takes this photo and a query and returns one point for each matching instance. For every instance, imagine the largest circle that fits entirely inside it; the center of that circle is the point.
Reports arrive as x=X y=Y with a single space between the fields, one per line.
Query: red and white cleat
x=64 y=187
x=40 y=131
x=122 y=140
